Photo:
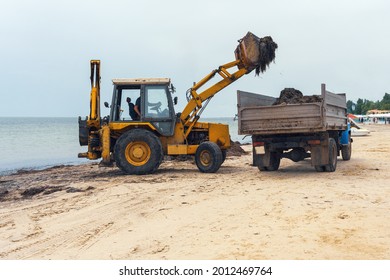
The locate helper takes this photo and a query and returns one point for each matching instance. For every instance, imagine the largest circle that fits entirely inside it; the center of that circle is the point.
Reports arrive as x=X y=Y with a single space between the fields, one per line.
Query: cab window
x=156 y=102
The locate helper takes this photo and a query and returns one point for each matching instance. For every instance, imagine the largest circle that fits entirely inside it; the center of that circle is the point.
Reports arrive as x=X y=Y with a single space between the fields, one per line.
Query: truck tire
x=208 y=157
x=331 y=166
x=346 y=150
x=138 y=152
x=273 y=164
x=320 y=168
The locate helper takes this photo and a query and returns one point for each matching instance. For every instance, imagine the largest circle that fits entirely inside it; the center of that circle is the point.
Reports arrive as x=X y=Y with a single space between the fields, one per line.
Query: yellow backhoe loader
x=138 y=144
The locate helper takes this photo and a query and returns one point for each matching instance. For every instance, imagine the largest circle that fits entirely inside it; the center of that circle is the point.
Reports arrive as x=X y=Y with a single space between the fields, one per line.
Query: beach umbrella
x=352 y=116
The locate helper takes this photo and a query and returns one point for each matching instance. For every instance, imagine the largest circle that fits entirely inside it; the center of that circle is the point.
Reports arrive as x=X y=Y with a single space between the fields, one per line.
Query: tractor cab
x=144 y=100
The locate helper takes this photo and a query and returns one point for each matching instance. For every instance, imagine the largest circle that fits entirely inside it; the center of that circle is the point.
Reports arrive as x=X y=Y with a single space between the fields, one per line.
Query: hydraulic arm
x=251 y=53
x=194 y=108
x=94 y=116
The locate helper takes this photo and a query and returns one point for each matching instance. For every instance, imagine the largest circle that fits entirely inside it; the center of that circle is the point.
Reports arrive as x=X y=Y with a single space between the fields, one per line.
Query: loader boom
x=194 y=108
x=251 y=53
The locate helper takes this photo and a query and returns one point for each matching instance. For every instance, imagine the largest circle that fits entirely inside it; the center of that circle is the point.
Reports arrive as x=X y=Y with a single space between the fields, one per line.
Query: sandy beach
x=87 y=212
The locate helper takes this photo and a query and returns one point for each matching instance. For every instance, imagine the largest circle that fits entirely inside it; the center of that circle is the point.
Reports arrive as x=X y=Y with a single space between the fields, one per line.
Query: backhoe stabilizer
x=89 y=129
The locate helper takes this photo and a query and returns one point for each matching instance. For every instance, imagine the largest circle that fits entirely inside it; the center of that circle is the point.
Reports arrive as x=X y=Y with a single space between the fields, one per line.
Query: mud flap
x=262 y=159
x=319 y=154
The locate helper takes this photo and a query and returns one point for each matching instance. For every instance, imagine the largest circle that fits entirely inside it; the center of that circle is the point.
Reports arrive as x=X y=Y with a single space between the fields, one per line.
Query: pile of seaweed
x=294 y=96
x=235 y=149
x=256 y=53
x=267 y=53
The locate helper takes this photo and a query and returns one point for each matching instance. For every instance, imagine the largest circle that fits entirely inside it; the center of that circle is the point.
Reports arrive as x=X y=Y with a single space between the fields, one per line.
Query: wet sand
x=87 y=212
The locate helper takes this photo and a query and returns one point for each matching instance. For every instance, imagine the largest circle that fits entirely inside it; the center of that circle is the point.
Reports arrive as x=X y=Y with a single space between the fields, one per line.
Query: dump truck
x=317 y=129
x=137 y=144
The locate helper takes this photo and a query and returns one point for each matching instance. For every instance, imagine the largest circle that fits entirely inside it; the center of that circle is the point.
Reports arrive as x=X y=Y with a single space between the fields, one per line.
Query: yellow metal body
x=172 y=145
x=178 y=143
x=94 y=116
x=137 y=153
x=106 y=144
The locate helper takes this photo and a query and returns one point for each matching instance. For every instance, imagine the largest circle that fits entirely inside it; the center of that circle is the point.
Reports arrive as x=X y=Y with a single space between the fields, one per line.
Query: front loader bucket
x=255 y=53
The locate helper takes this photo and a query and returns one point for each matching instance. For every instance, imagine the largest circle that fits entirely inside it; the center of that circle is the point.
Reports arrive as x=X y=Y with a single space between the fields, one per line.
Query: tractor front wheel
x=208 y=157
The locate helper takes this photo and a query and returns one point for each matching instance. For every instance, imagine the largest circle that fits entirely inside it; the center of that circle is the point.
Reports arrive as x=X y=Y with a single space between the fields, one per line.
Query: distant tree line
x=363 y=105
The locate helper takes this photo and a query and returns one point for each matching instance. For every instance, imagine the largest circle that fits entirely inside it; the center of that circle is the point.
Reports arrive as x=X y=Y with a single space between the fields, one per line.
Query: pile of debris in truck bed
x=294 y=96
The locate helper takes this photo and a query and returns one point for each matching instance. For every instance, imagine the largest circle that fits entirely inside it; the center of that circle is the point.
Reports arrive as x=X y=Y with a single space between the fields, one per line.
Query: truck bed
x=257 y=115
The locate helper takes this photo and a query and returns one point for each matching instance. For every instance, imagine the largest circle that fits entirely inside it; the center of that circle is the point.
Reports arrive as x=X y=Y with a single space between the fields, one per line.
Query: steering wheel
x=156 y=107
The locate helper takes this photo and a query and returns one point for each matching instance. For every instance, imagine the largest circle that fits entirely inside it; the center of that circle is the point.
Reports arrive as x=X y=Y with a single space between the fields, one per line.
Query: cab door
x=157 y=108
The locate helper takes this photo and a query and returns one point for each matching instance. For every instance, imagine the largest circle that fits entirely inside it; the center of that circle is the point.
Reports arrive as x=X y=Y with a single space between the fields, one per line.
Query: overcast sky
x=46 y=47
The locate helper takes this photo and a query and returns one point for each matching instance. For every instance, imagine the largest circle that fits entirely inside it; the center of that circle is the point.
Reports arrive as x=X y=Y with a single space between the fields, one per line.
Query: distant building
x=375 y=111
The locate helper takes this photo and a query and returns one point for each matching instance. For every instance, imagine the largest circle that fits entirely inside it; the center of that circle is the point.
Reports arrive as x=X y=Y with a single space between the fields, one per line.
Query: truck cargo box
x=257 y=115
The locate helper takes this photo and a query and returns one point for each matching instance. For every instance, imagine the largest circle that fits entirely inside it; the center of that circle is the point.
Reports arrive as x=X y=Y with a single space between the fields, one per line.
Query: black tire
x=331 y=166
x=138 y=152
x=273 y=165
x=224 y=153
x=320 y=168
x=262 y=168
x=208 y=157
x=346 y=150
x=274 y=162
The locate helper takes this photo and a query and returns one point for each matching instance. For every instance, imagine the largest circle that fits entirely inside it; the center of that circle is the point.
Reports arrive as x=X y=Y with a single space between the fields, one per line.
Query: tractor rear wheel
x=138 y=152
x=208 y=157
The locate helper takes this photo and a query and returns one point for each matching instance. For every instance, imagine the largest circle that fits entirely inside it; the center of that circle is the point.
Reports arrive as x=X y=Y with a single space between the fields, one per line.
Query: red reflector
x=257 y=144
x=314 y=142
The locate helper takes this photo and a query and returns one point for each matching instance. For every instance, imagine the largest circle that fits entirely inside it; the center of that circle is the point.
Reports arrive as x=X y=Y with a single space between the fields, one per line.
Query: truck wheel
x=331 y=166
x=273 y=164
x=320 y=168
x=208 y=157
x=138 y=152
x=346 y=150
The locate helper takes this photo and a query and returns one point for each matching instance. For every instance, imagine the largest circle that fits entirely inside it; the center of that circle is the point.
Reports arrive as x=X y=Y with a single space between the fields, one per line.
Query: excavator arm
x=251 y=53
x=90 y=130
x=94 y=115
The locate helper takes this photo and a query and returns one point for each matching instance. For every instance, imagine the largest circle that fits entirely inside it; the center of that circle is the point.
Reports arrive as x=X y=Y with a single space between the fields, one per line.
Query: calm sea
x=36 y=143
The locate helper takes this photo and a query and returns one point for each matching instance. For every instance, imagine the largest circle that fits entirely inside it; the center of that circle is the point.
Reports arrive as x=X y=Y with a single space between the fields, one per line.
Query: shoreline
x=15 y=171
x=22 y=170
x=87 y=212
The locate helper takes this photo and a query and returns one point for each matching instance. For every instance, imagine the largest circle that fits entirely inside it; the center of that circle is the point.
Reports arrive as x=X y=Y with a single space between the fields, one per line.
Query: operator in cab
x=134 y=110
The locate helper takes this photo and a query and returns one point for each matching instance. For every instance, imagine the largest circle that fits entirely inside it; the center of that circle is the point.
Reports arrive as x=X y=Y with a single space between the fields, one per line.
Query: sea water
x=37 y=143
